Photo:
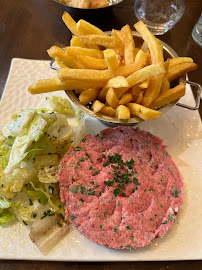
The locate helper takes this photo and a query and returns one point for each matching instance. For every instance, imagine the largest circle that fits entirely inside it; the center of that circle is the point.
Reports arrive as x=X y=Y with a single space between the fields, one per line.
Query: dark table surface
x=29 y=27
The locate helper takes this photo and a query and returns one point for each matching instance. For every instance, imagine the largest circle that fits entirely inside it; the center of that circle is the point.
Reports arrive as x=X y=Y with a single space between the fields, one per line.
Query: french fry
x=144 y=47
x=88 y=95
x=70 y=23
x=156 y=52
x=88 y=75
x=140 y=61
x=76 y=42
x=86 y=28
x=111 y=98
x=142 y=75
x=60 y=63
x=92 y=63
x=123 y=112
x=54 y=84
x=136 y=90
x=97 y=106
x=68 y=60
x=129 y=45
x=74 y=51
x=126 y=98
x=109 y=111
x=106 y=41
x=79 y=91
x=116 y=82
x=165 y=82
x=143 y=112
x=111 y=59
x=144 y=84
x=118 y=33
x=153 y=90
x=120 y=45
x=169 y=96
x=178 y=70
x=140 y=97
x=179 y=60
x=151 y=41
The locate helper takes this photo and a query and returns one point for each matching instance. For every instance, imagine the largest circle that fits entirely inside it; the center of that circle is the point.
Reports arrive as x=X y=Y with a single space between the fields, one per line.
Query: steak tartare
x=121 y=188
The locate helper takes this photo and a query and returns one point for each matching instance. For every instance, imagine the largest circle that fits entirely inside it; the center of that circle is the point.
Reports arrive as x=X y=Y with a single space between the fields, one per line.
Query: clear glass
x=159 y=15
x=197 y=32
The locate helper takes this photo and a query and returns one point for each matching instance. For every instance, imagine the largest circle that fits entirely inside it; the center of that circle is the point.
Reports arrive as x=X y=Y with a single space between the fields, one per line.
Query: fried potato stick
x=156 y=52
x=169 y=96
x=54 y=84
x=88 y=75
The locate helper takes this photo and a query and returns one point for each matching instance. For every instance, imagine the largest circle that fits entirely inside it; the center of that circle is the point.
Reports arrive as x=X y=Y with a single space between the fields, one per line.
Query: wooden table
x=29 y=27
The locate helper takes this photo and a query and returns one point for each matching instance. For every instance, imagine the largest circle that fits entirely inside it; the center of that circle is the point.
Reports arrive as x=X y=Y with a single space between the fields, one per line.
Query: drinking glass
x=197 y=32
x=159 y=15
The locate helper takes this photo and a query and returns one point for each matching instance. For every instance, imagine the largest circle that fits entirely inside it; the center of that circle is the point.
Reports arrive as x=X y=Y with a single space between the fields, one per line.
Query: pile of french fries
x=114 y=76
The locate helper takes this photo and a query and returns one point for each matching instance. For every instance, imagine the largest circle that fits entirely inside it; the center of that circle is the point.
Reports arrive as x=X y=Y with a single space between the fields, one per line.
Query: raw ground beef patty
x=121 y=188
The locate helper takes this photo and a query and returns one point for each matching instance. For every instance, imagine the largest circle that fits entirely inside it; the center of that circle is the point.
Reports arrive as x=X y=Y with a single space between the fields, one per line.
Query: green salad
x=31 y=146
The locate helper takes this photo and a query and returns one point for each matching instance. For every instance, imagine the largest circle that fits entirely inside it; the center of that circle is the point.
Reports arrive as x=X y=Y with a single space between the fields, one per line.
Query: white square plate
x=181 y=131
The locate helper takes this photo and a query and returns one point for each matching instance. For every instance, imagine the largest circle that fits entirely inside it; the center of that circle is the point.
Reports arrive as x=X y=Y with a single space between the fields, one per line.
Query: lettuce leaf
x=4 y=204
x=60 y=105
x=39 y=195
x=4 y=157
x=5 y=217
x=14 y=182
x=19 y=123
x=18 y=150
x=26 y=213
x=44 y=198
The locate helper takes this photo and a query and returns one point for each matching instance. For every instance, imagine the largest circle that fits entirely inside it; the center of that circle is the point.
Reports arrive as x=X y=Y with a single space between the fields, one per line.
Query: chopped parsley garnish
x=115 y=230
x=103 y=156
x=118 y=203
x=175 y=192
x=170 y=218
x=135 y=181
x=75 y=189
x=90 y=168
x=73 y=217
x=96 y=172
x=109 y=183
x=129 y=246
x=105 y=214
x=83 y=159
x=156 y=145
x=165 y=222
x=128 y=227
x=77 y=165
x=133 y=238
x=116 y=191
x=30 y=202
x=82 y=200
x=101 y=226
x=84 y=140
x=59 y=224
